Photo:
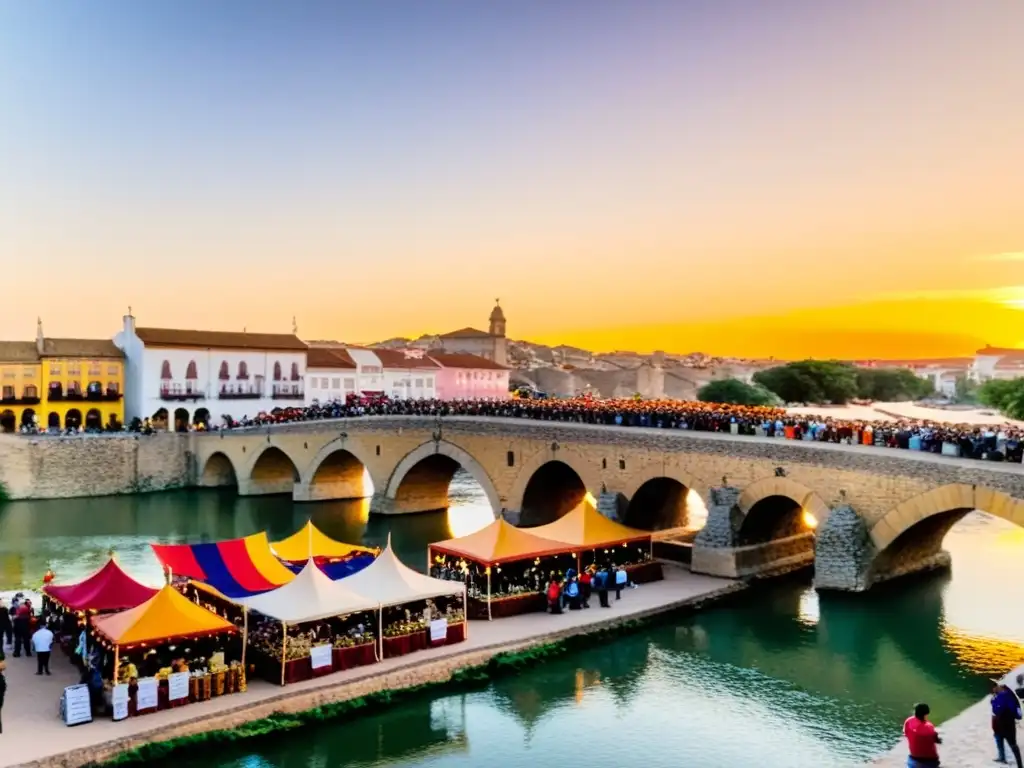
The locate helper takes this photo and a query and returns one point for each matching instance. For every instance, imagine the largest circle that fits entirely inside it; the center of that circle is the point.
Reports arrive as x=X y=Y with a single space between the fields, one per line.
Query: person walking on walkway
x=621 y=577
x=3 y=690
x=22 y=632
x=1005 y=714
x=42 y=642
x=6 y=626
x=922 y=739
x=601 y=579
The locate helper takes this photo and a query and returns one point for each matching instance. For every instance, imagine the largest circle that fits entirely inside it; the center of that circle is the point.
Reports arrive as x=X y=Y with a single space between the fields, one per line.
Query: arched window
x=112 y=388
x=277 y=371
x=295 y=371
x=30 y=391
x=224 y=374
x=243 y=370
x=191 y=373
x=165 y=371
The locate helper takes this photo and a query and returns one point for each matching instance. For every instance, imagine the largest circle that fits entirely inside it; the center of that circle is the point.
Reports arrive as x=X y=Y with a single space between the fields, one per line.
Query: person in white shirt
x=42 y=642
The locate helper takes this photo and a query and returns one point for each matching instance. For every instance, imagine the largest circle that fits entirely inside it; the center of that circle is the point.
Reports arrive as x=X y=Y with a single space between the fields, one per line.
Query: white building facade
x=331 y=375
x=184 y=378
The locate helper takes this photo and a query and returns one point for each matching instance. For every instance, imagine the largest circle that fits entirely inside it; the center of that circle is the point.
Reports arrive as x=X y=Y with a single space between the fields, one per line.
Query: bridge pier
x=718 y=551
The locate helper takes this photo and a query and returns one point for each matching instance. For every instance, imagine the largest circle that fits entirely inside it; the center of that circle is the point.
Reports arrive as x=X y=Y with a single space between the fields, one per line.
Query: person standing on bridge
x=922 y=739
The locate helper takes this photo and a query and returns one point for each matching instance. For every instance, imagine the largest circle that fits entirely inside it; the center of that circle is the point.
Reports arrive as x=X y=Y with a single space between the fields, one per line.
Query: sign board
x=321 y=656
x=438 y=630
x=146 y=697
x=119 y=701
x=177 y=686
x=75 y=705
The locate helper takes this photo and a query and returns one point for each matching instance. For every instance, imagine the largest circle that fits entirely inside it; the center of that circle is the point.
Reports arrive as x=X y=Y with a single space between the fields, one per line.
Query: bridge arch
x=218 y=471
x=421 y=479
x=555 y=477
x=669 y=498
x=339 y=470
x=909 y=537
x=271 y=471
x=778 y=492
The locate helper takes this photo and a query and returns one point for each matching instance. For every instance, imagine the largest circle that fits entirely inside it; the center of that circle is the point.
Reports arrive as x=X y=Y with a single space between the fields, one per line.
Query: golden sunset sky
x=789 y=178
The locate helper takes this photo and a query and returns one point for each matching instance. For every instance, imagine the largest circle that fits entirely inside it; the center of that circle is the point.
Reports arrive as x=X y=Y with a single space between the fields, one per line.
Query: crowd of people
x=995 y=442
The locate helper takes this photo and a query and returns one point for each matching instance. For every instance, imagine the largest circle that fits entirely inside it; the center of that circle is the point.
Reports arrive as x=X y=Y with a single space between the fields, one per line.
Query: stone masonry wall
x=67 y=467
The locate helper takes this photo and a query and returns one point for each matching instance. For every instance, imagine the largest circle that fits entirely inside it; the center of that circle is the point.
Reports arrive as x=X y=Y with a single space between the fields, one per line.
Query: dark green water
x=780 y=678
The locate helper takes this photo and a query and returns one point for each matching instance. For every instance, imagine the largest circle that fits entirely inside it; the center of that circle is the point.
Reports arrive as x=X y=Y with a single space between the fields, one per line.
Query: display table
x=200 y=688
x=297 y=670
x=645 y=573
x=456 y=633
x=502 y=607
x=354 y=656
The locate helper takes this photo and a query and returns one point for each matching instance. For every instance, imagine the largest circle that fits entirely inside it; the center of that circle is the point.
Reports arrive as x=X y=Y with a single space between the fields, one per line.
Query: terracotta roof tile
x=467 y=361
x=396 y=358
x=171 y=337
x=327 y=357
x=999 y=351
x=18 y=352
x=87 y=348
x=466 y=333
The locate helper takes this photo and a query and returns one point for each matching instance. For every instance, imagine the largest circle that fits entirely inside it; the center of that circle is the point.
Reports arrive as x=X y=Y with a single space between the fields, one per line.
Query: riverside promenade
x=967 y=740
x=34 y=735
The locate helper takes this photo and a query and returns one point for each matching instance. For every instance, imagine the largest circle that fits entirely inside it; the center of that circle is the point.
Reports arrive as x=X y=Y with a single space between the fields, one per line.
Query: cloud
x=1010 y=295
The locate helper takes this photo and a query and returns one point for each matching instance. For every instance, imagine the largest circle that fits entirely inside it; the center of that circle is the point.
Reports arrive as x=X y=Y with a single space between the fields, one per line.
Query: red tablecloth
x=508 y=606
x=398 y=646
x=644 y=573
x=354 y=656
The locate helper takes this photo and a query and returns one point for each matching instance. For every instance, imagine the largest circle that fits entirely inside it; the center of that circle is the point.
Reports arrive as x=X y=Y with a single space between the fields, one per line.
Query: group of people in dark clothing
x=575 y=592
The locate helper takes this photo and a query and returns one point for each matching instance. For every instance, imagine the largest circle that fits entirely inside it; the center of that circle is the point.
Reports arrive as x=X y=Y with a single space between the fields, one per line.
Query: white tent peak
x=392 y=582
x=310 y=596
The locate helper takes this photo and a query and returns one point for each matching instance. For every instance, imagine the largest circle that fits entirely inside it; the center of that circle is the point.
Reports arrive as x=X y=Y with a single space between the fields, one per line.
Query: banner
x=438 y=630
x=119 y=701
x=321 y=656
x=177 y=686
x=146 y=697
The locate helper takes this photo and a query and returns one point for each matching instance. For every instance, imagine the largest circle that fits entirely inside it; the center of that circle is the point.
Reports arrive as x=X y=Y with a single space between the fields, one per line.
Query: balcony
x=250 y=395
x=174 y=396
x=286 y=394
x=56 y=396
x=19 y=401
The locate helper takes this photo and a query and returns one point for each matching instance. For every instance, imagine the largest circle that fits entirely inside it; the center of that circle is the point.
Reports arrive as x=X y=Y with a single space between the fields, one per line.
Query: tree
x=891 y=384
x=966 y=390
x=811 y=381
x=735 y=392
x=1005 y=395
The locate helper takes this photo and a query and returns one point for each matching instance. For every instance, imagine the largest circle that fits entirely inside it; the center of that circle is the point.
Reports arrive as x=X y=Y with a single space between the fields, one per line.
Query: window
x=74 y=369
x=10 y=375
x=165 y=371
x=511 y=458
x=30 y=391
x=371 y=369
x=430 y=382
x=191 y=372
x=55 y=369
x=243 y=370
x=224 y=374
x=295 y=372
x=112 y=388
x=277 y=371
x=323 y=383
x=8 y=393
x=113 y=370
x=419 y=383
x=335 y=383
x=28 y=373
x=350 y=384
x=74 y=387
x=95 y=369
x=312 y=383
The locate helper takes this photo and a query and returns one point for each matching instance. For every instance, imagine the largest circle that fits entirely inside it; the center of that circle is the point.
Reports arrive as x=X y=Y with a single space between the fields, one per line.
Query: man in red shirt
x=922 y=739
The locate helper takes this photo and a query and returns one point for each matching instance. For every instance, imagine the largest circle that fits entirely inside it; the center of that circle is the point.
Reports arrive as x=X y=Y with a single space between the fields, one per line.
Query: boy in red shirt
x=922 y=739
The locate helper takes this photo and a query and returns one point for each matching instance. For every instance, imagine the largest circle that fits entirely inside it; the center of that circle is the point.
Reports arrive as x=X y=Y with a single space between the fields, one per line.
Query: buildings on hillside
x=61 y=383
x=997 y=363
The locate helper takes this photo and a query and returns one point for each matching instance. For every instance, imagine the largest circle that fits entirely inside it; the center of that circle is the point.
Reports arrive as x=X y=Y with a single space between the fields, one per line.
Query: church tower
x=497 y=331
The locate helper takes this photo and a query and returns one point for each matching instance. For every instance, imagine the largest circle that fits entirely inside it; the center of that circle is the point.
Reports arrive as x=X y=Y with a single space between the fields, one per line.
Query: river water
x=781 y=677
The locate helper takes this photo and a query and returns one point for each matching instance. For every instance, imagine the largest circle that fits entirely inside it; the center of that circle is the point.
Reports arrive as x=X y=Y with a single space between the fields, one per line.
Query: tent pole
x=489 y=593
x=245 y=633
x=380 y=632
x=428 y=559
x=284 y=645
x=465 y=609
x=117 y=663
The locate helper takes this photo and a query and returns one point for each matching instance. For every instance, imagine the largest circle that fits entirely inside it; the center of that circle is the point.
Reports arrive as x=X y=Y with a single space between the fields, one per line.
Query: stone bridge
x=861 y=514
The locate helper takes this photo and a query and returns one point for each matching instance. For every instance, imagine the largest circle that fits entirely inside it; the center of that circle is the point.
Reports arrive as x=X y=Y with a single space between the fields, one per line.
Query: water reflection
x=73 y=536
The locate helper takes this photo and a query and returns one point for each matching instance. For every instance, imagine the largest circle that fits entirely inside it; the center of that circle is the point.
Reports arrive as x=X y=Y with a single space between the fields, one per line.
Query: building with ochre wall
x=61 y=383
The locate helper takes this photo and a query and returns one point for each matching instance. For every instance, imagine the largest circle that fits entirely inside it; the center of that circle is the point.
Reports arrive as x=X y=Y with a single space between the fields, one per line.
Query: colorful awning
x=310 y=541
x=166 y=616
x=235 y=568
x=108 y=589
x=501 y=542
x=586 y=528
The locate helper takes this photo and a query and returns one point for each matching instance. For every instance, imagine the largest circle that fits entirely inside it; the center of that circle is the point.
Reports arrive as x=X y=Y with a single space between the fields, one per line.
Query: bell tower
x=497 y=331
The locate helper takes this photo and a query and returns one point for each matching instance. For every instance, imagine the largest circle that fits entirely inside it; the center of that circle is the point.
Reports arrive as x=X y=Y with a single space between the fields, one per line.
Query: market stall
x=417 y=611
x=335 y=558
x=506 y=569
x=235 y=568
x=167 y=652
x=309 y=627
x=598 y=540
x=108 y=589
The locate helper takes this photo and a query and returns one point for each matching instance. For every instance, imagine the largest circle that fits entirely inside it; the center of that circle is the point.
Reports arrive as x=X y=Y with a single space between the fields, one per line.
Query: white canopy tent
x=391 y=582
x=310 y=596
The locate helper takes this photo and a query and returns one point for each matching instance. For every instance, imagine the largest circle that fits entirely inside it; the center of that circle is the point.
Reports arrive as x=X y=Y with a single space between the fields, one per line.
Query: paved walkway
x=966 y=739
x=33 y=732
